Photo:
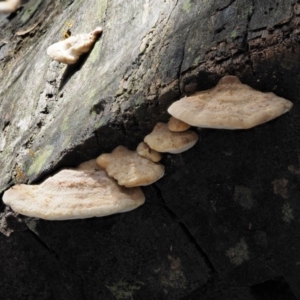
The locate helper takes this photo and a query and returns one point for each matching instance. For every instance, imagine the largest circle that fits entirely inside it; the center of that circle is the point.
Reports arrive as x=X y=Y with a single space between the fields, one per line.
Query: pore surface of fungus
x=162 y=139
x=229 y=105
x=9 y=6
x=69 y=50
x=79 y=193
x=130 y=169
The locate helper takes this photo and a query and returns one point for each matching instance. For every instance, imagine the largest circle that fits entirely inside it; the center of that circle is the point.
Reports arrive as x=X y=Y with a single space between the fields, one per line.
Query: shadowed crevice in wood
x=74 y=68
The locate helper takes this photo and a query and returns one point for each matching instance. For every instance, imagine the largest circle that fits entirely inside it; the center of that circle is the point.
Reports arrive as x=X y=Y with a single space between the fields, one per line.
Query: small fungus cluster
x=9 y=6
x=141 y=167
x=111 y=183
x=79 y=193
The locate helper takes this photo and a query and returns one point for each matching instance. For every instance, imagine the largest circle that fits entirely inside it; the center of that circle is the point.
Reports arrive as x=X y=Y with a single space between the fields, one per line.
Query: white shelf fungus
x=79 y=193
x=162 y=139
x=229 y=105
x=130 y=169
x=145 y=151
x=177 y=125
x=69 y=50
x=9 y=6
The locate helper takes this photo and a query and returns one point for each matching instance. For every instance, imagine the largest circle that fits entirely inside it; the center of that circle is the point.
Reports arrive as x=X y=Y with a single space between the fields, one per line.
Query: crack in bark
x=186 y=231
x=221 y=63
x=226 y=6
x=183 y=49
x=179 y=74
x=56 y=256
x=180 y=66
x=246 y=37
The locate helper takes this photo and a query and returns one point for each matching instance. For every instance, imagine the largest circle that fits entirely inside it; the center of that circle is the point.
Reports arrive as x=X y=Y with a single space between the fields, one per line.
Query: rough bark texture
x=224 y=221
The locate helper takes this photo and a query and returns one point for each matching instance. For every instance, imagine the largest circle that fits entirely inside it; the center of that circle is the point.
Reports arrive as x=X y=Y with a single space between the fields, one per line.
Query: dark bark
x=224 y=221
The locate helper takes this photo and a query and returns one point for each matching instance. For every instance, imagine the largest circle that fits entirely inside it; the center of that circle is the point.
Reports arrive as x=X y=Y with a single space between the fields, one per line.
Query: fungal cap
x=177 y=125
x=69 y=50
x=229 y=105
x=79 y=193
x=162 y=139
x=145 y=151
x=130 y=169
x=9 y=6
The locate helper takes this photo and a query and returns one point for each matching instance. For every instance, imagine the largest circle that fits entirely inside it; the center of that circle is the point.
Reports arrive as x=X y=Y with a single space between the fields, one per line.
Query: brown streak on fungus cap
x=177 y=125
x=69 y=50
x=145 y=151
x=130 y=169
x=79 y=193
x=9 y=6
x=229 y=105
x=162 y=139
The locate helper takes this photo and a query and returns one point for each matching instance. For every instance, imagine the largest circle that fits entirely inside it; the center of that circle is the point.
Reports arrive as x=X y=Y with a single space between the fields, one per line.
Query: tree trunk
x=223 y=223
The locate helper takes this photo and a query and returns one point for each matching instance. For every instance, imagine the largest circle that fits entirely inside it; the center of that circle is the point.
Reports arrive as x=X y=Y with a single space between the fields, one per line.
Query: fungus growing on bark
x=69 y=50
x=162 y=139
x=9 y=6
x=130 y=169
x=177 y=125
x=145 y=151
x=229 y=105
x=79 y=193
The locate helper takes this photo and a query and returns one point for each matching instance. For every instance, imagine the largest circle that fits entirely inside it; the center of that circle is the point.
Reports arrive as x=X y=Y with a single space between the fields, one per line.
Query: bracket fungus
x=162 y=139
x=79 y=193
x=229 y=105
x=130 y=169
x=145 y=151
x=69 y=50
x=9 y=6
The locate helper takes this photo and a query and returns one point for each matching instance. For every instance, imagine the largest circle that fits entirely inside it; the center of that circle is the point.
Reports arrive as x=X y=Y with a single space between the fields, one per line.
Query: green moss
x=65 y=124
x=187 y=6
x=123 y=290
x=243 y=196
x=119 y=92
x=94 y=54
x=287 y=213
x=234 y=34
x=67 y=141
x=99 y=123
x=173 y=276
x=39 y=161
x=239 y=253
x=28 y=13
x=99 y=11
x=139 y=101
